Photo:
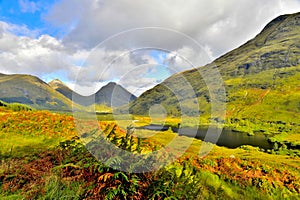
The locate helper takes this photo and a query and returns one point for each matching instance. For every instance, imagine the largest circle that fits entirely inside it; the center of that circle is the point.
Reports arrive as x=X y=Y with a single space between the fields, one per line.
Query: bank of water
x=227 y=138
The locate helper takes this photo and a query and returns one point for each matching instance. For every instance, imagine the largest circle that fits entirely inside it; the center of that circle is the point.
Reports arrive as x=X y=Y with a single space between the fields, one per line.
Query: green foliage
x=56 y=189
x=5 y=196
x=76 y=174
x=15 y=106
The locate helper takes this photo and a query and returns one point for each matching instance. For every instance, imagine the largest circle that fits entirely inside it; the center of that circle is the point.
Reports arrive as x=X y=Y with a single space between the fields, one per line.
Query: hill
x=112 y=94
x=30 y=90
x=261 y=80
x=60 y=87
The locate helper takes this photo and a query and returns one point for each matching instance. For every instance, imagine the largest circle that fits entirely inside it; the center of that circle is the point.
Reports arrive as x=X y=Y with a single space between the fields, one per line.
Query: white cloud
x=137 y=79
x=24 y=54
x=18 y=30
x=29 y=6
x=47 y=55
x=217 y=25
x=103 y=64
x=85 y=90
x=185 y=58
x=220 y=24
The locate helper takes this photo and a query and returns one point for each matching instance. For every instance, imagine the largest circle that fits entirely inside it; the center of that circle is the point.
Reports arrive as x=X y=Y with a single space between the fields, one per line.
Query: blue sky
x=20 y=13
x=51 y=38
x=31 y=15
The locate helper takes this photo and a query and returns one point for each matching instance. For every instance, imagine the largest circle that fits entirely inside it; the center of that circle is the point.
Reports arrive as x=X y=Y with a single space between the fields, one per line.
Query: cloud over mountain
x=217 y=26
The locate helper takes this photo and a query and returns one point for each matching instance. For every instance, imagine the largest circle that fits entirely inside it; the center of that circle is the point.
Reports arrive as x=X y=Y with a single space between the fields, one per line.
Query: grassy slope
x=261 y=80
x=272 y=109
x=32 y=91
x=27 y=132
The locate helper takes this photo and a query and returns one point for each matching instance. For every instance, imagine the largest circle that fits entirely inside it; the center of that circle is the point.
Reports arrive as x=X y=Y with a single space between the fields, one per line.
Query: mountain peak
x=30 y=90
x=111 y=84
x=55 y=82
x=111 y=94
x=277 y=20
x=114 y=95
x=281 y=29
x=62 y=88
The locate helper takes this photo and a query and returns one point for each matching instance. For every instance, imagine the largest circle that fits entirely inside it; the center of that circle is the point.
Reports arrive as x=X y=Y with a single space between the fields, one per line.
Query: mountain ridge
x=275 y=49
x=30 y=90
x=62 y=88
x=55 y=95
x=103 y=96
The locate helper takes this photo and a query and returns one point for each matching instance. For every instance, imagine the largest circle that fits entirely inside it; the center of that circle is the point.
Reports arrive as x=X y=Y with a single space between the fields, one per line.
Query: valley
x=49 y=160
x=58 y=144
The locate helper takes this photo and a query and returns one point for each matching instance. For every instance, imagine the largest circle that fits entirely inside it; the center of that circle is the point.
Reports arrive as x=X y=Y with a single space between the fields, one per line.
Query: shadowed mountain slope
x=112 y=94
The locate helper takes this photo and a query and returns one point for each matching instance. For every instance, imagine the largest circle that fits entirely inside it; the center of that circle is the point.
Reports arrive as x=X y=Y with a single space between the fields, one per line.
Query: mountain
x=112 y=94
x=60 y=87
x=30 y=90
x=261 y=79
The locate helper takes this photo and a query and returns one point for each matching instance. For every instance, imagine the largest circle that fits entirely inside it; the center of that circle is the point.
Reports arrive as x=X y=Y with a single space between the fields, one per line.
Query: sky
x=136 y=43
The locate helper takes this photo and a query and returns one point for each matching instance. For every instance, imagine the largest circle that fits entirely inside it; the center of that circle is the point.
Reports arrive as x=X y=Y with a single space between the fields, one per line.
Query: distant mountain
x=30 y=90
x=60 y=87
x=112 y=94
x=261 y=79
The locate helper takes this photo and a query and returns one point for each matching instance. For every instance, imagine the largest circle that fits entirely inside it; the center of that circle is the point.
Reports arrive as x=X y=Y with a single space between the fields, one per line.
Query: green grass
x=74 y=173
x=4 y=196
x=17 y=145
x=15 y=106
x=55 y=188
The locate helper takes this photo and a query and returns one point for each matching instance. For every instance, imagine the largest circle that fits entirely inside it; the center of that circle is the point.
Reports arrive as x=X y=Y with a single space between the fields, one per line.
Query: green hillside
x=32 y=91
x=261 y=80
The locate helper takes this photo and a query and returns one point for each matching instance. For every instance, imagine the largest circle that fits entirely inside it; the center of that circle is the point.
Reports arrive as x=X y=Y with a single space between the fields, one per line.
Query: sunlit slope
x=30 y=90
x=261 y=79
x=266 y=96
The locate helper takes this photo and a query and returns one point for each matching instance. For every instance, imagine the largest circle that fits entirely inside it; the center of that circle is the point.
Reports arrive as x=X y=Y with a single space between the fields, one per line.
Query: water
x=228 y=138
